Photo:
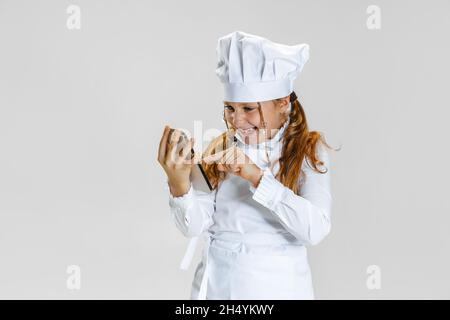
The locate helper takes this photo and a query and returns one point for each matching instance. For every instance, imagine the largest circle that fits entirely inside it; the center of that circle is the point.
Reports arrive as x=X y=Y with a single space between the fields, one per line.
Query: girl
x=271 y=185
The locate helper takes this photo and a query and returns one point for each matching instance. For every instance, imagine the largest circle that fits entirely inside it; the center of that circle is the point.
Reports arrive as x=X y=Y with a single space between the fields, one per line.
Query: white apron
x=251 y=266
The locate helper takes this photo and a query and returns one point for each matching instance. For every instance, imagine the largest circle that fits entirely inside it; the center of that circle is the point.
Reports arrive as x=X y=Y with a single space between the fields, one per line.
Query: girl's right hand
x=176 y=160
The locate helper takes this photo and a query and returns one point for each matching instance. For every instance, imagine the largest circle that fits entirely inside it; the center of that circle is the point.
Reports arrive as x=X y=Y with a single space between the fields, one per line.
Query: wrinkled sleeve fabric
x=307 y=216
x=192 y=212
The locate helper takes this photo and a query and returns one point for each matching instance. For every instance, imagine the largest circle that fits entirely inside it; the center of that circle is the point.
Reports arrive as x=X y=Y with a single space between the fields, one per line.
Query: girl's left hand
x=235 y=161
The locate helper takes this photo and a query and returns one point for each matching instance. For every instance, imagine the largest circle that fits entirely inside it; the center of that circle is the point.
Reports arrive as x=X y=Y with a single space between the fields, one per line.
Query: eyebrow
x=243 y=106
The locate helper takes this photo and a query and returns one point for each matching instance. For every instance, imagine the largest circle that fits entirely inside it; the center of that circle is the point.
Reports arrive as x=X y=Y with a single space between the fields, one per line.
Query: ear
x=283 y=104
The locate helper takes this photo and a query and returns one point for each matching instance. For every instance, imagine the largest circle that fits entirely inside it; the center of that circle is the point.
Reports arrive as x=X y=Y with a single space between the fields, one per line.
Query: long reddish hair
x=298 y=143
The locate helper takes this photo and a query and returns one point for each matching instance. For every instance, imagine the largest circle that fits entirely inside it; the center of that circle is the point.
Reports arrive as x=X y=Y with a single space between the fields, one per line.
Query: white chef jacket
x=256 y=237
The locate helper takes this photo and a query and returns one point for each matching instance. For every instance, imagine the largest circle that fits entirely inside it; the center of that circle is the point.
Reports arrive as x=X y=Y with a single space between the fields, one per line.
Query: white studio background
x=83 y=104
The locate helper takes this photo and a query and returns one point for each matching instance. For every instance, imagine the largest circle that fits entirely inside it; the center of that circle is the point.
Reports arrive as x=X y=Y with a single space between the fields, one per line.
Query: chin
x=253 y=139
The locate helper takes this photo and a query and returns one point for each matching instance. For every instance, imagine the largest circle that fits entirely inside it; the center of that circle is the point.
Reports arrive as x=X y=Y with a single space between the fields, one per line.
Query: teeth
x=247 y=132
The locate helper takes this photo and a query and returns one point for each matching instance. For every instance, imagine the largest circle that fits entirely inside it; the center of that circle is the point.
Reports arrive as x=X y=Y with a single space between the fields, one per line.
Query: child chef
x=270 y=175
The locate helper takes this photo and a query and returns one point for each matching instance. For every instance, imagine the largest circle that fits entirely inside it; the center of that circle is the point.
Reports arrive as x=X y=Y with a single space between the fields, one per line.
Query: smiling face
x=246 y=118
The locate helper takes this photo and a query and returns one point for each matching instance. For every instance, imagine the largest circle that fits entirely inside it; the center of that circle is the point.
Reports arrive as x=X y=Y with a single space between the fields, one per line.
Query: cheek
x=270 y=117
x=270 y=121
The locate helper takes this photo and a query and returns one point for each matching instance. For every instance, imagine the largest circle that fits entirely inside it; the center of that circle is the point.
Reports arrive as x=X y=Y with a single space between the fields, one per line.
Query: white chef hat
x=253 y=68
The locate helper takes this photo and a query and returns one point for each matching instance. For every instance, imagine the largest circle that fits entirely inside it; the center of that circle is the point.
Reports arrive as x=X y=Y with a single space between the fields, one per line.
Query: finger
x=197 y=158
x=234 y=165
x=241 y=157
x=172 y=151
x=235 y=169
x=231 y=168
x=225 y=156
x=163 y=144
x=175 y=136
x=187 y=148
x=231 y=157
x=214 y=157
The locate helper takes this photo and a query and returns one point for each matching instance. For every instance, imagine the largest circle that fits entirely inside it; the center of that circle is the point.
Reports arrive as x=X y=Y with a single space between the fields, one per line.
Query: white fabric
x=256 y=237
x=253 y=68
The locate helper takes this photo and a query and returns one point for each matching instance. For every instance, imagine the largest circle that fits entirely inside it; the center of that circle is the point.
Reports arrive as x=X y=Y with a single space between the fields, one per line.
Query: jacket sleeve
x=192 y=212
x=306 y=216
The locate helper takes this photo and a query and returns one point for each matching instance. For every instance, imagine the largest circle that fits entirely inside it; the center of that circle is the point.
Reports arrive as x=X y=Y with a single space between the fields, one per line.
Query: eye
x=249 y=109
x=229 y=108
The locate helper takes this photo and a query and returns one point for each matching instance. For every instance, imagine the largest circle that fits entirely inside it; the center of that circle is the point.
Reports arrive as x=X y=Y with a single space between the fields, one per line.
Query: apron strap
x=189 y=255
x=205 y=278
x=187 y=259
